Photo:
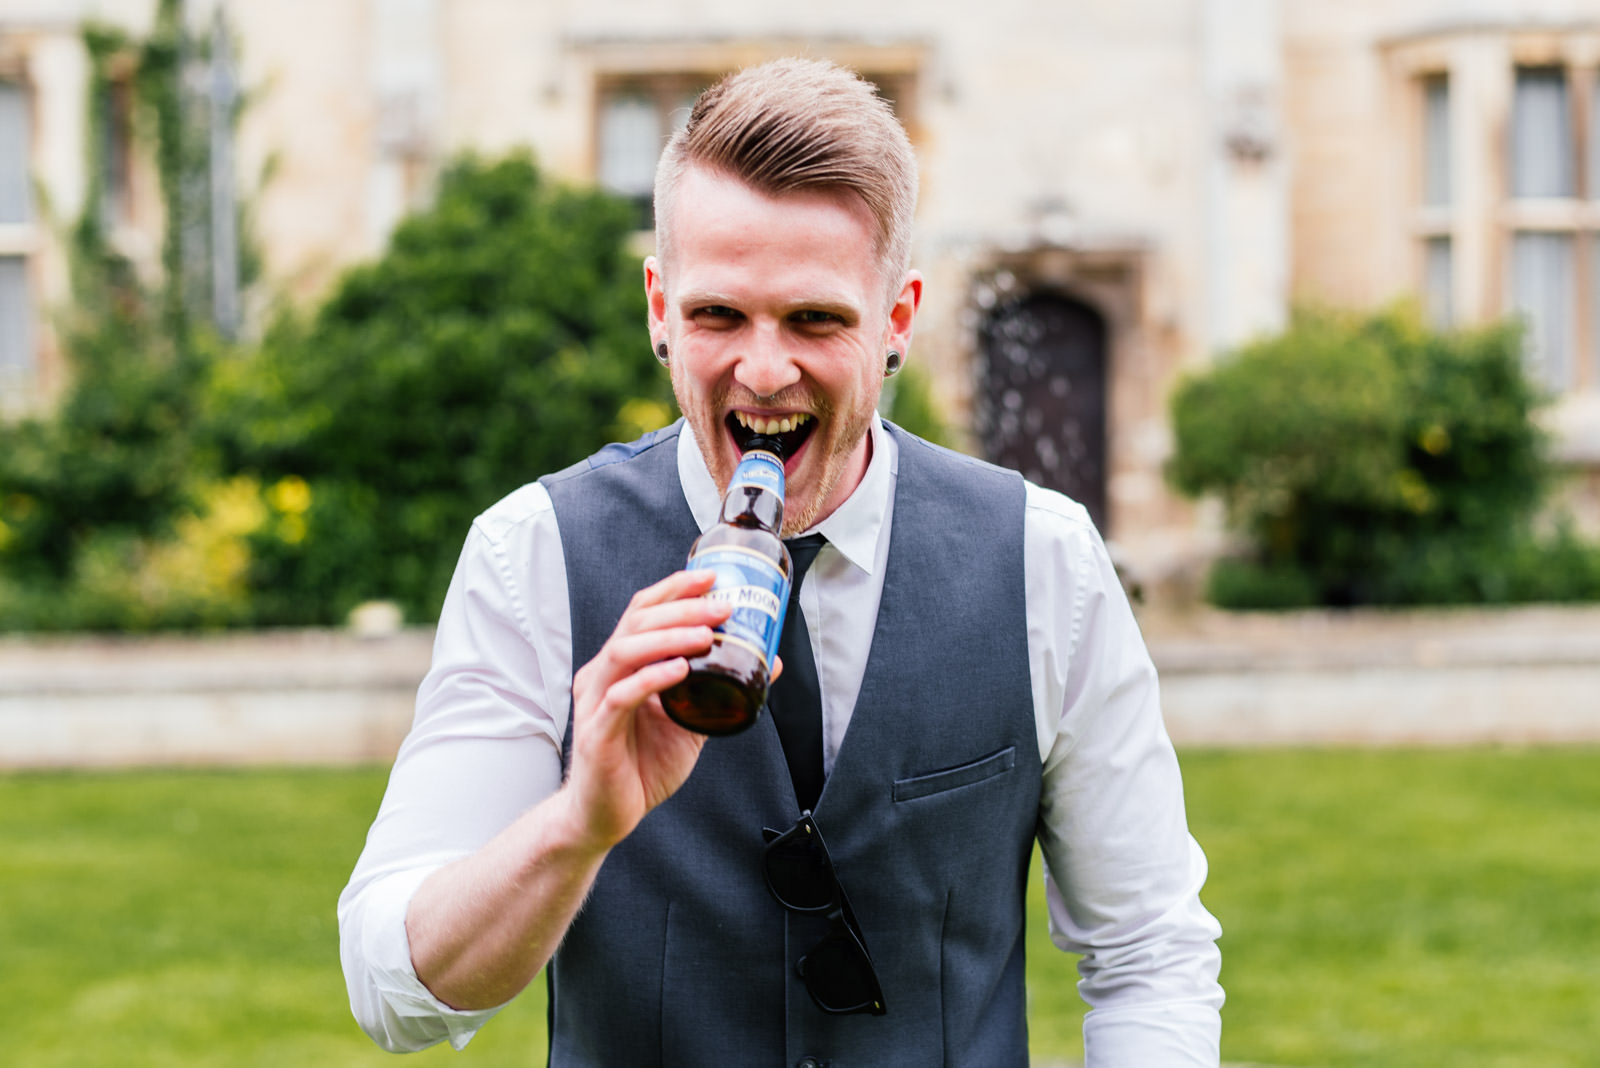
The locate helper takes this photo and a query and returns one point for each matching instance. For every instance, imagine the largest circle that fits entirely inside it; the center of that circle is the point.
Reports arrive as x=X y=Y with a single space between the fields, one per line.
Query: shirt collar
x=854 y=527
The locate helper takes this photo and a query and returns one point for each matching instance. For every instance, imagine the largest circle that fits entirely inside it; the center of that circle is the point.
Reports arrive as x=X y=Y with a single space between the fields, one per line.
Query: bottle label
x=759 y=468
x=758 y=590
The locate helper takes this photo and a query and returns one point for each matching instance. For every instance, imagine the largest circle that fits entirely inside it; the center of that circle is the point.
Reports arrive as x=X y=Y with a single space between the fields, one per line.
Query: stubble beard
x=843 y=436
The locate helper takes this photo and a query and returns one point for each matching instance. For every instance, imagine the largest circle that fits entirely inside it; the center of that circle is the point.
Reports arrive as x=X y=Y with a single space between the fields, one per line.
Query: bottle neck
x=755 y=494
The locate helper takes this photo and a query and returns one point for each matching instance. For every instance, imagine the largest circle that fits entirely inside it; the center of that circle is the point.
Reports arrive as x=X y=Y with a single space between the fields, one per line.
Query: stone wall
x=1524 y=676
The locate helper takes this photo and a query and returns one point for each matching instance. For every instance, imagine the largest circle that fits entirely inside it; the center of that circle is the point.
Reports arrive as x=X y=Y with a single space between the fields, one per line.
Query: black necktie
x=796 y=699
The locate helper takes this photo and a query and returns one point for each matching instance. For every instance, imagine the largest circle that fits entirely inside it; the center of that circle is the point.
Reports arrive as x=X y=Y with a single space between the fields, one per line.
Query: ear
x=903 y=313
x=655 y=292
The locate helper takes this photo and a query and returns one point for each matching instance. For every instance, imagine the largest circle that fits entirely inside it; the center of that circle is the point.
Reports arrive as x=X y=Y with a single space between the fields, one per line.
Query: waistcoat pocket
x=935 y=782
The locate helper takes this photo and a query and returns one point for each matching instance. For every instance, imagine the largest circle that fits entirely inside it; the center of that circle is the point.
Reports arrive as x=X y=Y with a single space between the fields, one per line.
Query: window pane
x=1541 y=135
x=1594 y=311
x=16 y=345
x=1436 y=140
x=630 y=142
x=1542 y=291
x=1593 y=142
x=14 y=206
x=1437 y=282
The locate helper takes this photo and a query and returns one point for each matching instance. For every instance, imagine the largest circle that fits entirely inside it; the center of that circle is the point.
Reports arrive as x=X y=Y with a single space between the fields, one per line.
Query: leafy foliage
x=1371 y=461
x=500 y=337
x=115 y=468
x=186 y=482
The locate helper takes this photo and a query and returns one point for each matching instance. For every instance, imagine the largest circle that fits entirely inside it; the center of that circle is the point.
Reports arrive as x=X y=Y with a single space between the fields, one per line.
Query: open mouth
x=790 y=431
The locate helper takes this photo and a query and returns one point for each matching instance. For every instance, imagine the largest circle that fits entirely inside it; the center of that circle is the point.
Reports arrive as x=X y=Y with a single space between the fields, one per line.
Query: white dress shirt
x=1123 y=874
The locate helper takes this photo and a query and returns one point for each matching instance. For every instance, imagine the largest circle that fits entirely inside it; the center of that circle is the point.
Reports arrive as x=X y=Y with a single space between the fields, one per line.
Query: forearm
x=482 y=928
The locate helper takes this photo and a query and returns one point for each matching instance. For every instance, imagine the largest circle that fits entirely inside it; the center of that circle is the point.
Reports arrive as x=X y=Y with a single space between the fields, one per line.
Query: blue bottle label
x=759 y=592
x=759 y=468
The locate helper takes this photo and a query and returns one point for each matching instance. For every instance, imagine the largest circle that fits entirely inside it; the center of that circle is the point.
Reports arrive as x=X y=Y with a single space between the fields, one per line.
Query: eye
x=816 y=317
x=716 y=314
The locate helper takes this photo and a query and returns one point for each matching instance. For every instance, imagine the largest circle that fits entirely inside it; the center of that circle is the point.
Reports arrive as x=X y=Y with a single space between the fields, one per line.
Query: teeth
x=768 y=425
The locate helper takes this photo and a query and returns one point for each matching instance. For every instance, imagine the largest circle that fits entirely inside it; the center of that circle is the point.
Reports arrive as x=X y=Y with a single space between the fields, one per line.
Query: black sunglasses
x=838 y=970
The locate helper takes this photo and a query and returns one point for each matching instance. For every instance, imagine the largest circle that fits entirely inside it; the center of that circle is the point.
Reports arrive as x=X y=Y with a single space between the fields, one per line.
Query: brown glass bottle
x=726 y=689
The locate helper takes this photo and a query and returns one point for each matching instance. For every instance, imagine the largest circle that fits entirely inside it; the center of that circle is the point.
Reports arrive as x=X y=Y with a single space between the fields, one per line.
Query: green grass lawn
x=1381 y=908
x=1409 y=908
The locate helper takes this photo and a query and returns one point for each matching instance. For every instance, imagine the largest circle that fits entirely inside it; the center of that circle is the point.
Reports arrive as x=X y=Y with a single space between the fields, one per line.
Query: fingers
x=663 y=624
x=676 y=586
x=635 y=689
x=628 y=756
x=676 y=601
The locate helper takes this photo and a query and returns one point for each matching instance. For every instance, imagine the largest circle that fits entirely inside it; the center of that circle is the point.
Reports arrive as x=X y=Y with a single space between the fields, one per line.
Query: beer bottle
x=726 y=688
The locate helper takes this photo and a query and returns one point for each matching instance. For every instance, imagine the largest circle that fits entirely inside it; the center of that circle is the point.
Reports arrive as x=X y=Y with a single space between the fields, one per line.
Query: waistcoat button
x=808 y=1062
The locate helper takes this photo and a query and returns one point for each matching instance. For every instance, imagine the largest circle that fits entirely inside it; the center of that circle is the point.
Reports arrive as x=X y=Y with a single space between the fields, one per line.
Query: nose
x=764 y=366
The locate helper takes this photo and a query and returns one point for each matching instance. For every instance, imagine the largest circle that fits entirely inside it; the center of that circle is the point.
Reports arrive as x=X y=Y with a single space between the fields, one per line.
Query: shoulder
x=1060 y=533
x=519 y=514
x=656 y=446
x=1065 y=550
x=1053 y=511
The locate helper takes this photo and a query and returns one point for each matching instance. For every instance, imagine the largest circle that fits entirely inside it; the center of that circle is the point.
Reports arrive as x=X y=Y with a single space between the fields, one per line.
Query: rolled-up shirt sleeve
x=484 y=747
x=1123 y=874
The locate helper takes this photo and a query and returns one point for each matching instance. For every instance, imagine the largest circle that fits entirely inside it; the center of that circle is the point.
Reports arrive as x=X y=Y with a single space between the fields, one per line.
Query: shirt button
x=808 y=1062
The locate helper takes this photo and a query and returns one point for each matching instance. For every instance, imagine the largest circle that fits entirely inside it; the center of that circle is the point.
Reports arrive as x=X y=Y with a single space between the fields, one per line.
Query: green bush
x=502 y=336
x=113 y=512
x=183 y=484
x=1367 y=460
x=110 y=472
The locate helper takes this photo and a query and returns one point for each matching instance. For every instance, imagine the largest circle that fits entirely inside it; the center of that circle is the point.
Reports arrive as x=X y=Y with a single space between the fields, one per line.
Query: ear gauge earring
x=891 y=366
x=661 y=353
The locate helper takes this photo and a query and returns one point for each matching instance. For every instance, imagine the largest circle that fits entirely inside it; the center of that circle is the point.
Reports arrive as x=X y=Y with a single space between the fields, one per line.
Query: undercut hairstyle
x=795 y=125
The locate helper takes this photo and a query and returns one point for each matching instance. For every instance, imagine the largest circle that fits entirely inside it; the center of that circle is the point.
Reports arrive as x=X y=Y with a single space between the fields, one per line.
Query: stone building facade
x=1113 y=191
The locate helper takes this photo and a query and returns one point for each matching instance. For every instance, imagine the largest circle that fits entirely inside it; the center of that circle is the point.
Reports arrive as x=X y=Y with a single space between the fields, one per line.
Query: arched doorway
x=1043 y=395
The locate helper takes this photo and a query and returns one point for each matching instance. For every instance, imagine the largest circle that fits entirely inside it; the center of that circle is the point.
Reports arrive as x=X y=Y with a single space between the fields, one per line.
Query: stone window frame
x=1482 y=220
x=667 y=71
x=668 y=94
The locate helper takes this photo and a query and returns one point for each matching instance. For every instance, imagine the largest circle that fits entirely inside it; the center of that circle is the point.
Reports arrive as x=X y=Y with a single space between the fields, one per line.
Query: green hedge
x=501 y=336
x=1368 y=460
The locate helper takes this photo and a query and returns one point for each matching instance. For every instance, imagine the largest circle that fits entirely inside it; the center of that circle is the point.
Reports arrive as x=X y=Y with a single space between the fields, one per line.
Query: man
x=982 y=683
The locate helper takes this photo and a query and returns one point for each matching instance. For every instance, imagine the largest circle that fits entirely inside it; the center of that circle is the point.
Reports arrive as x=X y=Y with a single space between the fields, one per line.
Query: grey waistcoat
x=681 y=956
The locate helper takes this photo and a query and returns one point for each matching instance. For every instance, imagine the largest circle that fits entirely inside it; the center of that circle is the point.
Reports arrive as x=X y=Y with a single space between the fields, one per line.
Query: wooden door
x=1043 y=395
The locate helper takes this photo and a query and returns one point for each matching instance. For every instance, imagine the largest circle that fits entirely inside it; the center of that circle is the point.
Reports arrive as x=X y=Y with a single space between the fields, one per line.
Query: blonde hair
x=800 y=124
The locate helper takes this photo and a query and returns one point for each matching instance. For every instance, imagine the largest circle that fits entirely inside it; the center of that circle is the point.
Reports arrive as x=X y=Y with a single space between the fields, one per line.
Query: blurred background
x=366 y=249
x=1300 y=299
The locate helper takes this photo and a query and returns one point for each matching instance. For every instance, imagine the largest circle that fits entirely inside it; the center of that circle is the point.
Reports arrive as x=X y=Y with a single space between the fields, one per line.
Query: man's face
x=775 y=315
